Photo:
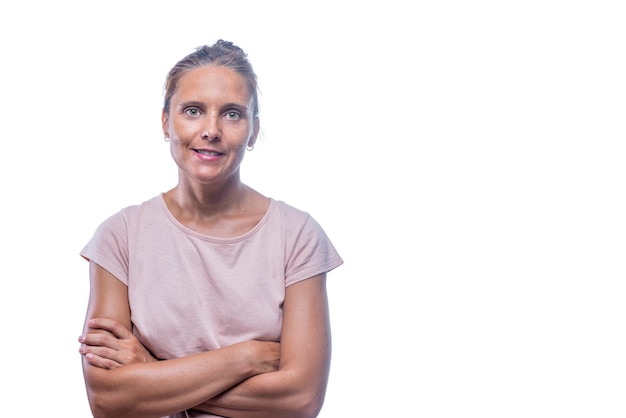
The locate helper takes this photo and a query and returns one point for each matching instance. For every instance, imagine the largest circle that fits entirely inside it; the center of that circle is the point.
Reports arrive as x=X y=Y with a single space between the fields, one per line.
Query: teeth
x=205 y=152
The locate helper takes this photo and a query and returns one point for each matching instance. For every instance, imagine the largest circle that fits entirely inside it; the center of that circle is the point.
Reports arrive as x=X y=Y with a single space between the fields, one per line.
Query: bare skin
x=292 y=384
x=209 y=125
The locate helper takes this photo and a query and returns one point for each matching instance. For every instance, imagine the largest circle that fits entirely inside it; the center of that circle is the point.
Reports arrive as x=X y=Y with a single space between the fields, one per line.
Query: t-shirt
x=190 y=293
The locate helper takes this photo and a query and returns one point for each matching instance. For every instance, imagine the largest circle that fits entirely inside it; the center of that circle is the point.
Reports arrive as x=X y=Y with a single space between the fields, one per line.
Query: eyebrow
x=193 y=103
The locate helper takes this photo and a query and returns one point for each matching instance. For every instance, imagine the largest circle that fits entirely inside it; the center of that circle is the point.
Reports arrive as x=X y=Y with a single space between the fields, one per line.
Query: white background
x=466 y=158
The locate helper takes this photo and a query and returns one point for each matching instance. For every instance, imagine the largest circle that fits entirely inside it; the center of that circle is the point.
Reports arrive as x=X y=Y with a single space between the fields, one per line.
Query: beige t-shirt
x=190 y=293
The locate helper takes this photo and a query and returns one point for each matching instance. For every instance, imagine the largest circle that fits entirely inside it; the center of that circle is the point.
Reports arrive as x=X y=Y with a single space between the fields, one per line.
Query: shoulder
x=296 y=221
x=131 y=214
x=289 y=211
x=292 y=216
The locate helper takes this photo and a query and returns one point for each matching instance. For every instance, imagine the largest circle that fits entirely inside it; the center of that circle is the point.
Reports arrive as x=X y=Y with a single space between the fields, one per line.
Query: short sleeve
x=109 y=247
x=312 y=254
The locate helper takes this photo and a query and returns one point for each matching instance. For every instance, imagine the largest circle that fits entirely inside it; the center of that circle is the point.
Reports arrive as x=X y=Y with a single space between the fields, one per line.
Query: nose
x=212 y=130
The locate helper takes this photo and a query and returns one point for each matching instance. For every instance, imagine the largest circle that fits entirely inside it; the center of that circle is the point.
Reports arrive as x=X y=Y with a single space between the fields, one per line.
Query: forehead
x=213 y=82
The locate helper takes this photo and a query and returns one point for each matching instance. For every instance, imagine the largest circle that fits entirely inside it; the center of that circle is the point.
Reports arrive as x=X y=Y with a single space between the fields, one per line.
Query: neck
x=202 y=199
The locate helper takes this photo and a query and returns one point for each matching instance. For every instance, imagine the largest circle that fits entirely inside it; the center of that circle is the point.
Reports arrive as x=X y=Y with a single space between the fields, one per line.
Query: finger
x=101 y=362
x=102 y=340
x=121 y=357
x=110 y=325
x=103 y=352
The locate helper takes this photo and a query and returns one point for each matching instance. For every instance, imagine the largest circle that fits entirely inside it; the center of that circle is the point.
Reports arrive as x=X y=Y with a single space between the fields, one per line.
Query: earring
x=166 y=139
x=250 y=147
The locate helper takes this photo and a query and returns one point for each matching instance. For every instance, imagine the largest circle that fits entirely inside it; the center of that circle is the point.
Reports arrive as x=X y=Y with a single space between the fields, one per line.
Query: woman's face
x=210 y=123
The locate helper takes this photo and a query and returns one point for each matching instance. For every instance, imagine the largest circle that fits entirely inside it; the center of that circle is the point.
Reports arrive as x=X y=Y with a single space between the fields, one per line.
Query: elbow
x=313 y=409
x=103 y=406
x=306 y=397
x=108 y=397
x=309 y=405
x=310 y=411
x=99 y=406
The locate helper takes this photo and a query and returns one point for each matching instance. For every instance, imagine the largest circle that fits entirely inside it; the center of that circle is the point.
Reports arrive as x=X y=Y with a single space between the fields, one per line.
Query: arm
x=298 y=387
x=158 y=388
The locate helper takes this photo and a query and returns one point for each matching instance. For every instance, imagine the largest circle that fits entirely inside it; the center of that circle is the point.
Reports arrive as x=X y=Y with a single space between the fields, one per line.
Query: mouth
x=210 y=153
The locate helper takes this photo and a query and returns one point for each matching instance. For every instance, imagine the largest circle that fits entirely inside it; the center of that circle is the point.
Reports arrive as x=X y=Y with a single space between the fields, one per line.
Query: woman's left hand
x=112 y=349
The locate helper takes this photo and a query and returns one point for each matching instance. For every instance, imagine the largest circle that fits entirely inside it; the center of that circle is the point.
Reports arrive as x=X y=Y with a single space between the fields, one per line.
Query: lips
x=209 y=152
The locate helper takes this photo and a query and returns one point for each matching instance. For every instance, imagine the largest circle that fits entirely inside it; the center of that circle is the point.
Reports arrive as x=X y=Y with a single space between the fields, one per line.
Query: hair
x=222 y=53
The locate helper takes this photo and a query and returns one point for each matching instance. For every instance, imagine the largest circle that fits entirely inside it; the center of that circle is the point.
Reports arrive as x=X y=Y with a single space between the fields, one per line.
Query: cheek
x=183 y=131
x=239 y=138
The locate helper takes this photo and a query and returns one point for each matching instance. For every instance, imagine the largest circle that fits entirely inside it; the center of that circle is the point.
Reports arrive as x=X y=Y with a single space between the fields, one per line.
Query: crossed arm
x=252 y=379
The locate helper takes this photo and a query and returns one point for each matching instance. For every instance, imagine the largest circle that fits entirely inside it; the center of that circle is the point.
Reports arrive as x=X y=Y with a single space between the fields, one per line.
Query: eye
x=192 y=112
x=233 y=115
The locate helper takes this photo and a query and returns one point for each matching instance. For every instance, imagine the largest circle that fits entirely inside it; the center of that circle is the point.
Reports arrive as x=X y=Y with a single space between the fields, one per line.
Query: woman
x=209 y=299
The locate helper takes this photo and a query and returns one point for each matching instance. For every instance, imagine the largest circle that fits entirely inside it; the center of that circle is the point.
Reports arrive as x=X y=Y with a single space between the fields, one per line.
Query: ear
x=255 y=132
x=164 y=120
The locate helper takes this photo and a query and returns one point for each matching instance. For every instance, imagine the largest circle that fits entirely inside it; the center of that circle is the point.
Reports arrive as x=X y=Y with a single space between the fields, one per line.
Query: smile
x=208 y=152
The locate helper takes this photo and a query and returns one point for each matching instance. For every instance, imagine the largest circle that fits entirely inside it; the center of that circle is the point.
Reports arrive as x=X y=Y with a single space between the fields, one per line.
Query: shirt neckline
x=189 y=231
